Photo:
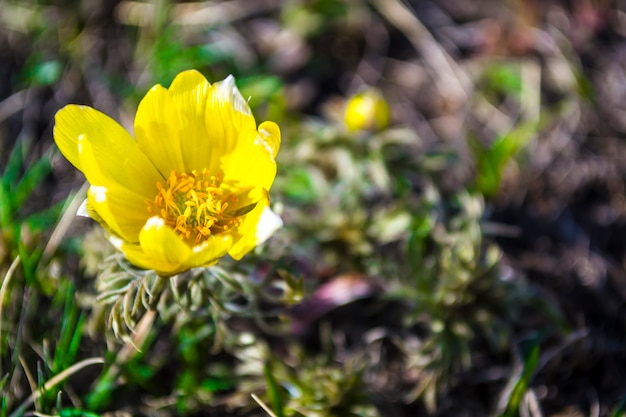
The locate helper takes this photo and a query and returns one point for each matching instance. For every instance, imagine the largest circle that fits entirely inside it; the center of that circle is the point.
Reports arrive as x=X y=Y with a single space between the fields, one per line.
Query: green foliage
x=18 y=183
x=66 y=347
x=75 y=412
x=316 y=385
x=273 y=391
x=509 y=106
x=584 y=87
x=300 y=188
x=170 y=57
x=19 y=227
x=267 y=96
x=530 y=362
x=492 y=160
x=503 y=79
x=40 y=72
x=456 y=289
x=68 y=342
x=311 y=18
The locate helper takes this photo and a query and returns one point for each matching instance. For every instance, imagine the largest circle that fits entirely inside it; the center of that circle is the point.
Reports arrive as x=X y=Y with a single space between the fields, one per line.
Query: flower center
x=194 y=205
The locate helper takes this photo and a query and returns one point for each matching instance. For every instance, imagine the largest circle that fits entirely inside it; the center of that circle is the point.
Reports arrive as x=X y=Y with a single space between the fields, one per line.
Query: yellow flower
x=192 y=186
x=366 y=110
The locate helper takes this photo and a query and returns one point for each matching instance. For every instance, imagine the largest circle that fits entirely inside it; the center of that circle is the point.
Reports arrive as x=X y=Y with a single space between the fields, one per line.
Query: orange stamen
x=194 y=205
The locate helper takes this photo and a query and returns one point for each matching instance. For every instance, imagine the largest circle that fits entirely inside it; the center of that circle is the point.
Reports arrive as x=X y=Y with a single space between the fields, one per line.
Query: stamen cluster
x=194 y=205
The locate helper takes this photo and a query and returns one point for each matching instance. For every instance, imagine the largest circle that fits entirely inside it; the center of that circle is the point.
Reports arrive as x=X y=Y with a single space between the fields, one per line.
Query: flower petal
x=159 y=131
x=210 y=251
x=99 y=147
x=227 y=115
x=190 y=91
x=269 y=136
x=269 y=223
x=250 y=164
x=226 y=94
x=138 y=257
x=160 y=242
x=255 y=229
x=121 y=211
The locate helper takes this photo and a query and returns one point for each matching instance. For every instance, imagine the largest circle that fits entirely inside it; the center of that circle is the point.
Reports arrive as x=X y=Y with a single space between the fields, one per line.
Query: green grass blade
x=6 y=207
x=33 y=176
x=74 y=412
x=12 y=172
x=10 y=177
x=273 y=391
x=71 y=333
x=531 y=361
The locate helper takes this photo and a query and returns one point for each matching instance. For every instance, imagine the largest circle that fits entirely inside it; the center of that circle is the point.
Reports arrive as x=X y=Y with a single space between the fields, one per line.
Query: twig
x=12 y=104
x=451 y=81
x=3 y=289
x=531 y=406
x=199 y=13
x=262 y=405
x=594 y=408
x=29 y=375
x=64 y=223
x=552 y=353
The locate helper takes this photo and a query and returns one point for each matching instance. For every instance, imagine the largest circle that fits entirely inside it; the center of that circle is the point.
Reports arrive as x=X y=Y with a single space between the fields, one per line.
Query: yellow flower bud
x=367 y=110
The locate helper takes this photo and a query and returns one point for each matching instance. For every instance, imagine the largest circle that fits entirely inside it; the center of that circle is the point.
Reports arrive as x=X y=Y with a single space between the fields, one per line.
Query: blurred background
x=452 y=182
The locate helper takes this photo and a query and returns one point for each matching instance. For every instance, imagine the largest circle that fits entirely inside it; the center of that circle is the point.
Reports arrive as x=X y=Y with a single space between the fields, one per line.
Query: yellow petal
x=190 y=91
x=99 y=147
x=138 y=257
x=227 y=115
x=164 y=252
x=159 y=131
x=256 y=228
x=269 y=136
x=121 y=211
x=161 y=243
x=209 y=252
x=251 y=163
x=226 y=95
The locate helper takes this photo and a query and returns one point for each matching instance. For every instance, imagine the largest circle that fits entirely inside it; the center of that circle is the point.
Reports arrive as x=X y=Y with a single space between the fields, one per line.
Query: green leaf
x=504 y=78
x=10 y=176
x=491 y=161
x=74 y=412
x=71 y=333
x=6 y=208
x=33 y=176
x=216 y=384
x=4 y=381
x=44 y=73
x=584 y=86
x=46 y=218
x=273 y=391
x=300 y=187
x=531 y=360
x=4 y=412
x=30 y=261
